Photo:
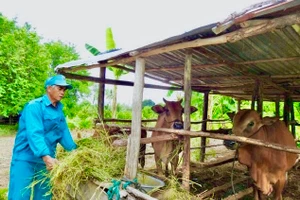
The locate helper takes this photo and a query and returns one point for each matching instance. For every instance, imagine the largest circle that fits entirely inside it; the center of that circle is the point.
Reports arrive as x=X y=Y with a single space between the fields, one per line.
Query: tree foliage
x=61 y=53
x=25 y=64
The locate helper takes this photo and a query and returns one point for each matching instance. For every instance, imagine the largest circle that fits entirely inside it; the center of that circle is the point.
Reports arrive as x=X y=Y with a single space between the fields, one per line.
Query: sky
x=134 y=23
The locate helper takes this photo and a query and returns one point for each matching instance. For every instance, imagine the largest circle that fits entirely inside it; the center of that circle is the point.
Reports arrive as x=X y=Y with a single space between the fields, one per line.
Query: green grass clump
x=173 y=190
x=3 y=193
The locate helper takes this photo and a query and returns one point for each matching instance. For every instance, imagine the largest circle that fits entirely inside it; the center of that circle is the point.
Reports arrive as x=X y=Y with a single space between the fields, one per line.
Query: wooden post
x=253 y=99
x=259 y=96
x=277 y=107
x=204 y=125
x=239 y=105
x=187 y=120
x=293 y=118
x=286 y=111
x=135 y=136
x=101 y=94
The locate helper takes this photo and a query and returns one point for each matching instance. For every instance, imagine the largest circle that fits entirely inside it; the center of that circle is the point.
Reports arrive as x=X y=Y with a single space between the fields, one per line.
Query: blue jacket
x=41 y=127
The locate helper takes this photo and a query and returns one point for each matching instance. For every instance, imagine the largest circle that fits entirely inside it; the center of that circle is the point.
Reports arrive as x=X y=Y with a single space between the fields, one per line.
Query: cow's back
x=278 y=133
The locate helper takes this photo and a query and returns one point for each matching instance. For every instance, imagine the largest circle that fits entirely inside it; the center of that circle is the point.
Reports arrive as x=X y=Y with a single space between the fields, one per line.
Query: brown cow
x=115 y=133
x=267 y=167
x=170 y=116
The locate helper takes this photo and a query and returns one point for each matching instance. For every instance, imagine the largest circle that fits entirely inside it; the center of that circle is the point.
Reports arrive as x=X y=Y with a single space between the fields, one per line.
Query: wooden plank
x=220 y=188
x=134 y=138
x=240 y=194
x=220 y=161
x=187 y=120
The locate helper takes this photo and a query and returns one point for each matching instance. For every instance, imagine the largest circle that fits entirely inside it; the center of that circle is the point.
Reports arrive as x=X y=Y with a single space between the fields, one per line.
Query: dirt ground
x=204 y=179
x=6 y=145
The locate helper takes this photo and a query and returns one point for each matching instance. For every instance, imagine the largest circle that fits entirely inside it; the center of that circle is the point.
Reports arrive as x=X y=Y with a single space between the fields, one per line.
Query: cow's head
x=170 y=115
x=248 y=122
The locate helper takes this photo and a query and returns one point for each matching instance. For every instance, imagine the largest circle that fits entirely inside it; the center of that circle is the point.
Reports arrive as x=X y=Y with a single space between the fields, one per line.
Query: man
x=42 y=126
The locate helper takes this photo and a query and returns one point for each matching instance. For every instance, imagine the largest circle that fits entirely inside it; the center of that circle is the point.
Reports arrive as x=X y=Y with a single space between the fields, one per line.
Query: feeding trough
x=94 y=190
x=149 y=183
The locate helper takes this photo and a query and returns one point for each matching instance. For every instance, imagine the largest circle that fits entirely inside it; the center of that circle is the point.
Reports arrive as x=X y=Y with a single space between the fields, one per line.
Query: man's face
x=56 y=93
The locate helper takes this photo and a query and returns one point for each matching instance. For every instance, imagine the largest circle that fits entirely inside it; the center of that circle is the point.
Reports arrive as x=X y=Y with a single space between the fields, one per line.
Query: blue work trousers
x=22 y=175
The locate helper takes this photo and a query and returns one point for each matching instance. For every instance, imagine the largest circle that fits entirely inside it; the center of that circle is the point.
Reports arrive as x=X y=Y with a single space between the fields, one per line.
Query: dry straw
x=95 y=158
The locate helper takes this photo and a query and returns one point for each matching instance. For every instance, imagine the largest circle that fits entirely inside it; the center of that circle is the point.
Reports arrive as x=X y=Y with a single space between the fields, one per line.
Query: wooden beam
x=117 y=82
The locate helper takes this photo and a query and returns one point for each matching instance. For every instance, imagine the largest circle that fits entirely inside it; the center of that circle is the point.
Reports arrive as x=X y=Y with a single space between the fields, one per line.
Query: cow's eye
x=251 y=124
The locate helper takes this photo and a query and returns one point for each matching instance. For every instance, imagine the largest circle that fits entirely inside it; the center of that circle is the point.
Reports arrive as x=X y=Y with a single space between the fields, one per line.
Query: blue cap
x=58 y=80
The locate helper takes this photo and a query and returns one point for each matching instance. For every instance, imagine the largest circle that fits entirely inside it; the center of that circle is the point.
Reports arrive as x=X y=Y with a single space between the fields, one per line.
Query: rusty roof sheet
x=260 y=44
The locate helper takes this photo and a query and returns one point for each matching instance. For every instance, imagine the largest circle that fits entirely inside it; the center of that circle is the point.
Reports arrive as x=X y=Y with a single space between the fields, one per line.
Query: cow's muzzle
x=230 y=144
x=177 y=124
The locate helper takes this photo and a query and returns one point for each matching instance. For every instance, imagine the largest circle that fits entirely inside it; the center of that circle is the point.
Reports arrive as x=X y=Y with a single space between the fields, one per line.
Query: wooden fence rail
x=174 y=136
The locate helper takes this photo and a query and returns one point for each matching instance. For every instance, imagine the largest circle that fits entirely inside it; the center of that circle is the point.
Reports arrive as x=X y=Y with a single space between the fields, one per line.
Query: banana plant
x=110 y=46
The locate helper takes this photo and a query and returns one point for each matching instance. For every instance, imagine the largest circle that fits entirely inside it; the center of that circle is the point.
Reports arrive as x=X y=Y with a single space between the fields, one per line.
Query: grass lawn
x=8 y=130
x=3 y=193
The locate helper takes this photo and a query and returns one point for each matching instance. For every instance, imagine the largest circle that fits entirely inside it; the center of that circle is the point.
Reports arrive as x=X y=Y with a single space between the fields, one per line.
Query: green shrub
x=3 y=193
x=8 y=130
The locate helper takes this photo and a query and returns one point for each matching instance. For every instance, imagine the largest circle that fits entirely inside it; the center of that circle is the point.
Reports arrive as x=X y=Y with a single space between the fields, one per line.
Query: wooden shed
x=252 y=55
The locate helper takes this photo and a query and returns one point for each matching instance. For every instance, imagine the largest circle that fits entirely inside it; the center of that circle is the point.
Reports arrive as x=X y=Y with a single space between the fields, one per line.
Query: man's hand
x=50 y=162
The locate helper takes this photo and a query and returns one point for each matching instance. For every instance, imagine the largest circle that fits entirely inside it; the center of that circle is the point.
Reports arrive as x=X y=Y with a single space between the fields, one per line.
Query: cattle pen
x=252 y=55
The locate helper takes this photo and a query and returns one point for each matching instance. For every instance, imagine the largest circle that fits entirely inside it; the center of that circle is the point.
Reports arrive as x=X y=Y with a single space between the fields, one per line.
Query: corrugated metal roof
x=260 y=43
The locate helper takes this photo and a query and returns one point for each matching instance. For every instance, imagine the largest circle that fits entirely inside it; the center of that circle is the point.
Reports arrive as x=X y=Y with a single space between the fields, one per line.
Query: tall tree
x=24 y=65
x=61 y=53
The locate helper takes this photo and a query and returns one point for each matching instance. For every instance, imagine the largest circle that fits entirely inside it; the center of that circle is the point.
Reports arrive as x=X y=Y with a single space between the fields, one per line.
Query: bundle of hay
x=95 y=158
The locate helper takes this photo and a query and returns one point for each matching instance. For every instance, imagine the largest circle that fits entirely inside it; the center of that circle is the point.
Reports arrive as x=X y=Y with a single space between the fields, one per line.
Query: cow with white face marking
x=169 y=116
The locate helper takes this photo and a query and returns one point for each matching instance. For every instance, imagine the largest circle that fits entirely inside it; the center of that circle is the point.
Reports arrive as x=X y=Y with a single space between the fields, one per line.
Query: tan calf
x=170 y=116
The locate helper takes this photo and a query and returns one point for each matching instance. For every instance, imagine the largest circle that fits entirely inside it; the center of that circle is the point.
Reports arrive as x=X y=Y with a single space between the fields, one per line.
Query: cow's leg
x=142 y=155
x=278 y=187
x=167 y=169
x=158 y=163
x=258 y=195
x=174 y=164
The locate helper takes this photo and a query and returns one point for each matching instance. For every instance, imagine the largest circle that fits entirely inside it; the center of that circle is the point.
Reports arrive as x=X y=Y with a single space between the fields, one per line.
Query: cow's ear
x=269 y=120
x=193 y=109
x=231 y=115
x=158 y=109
